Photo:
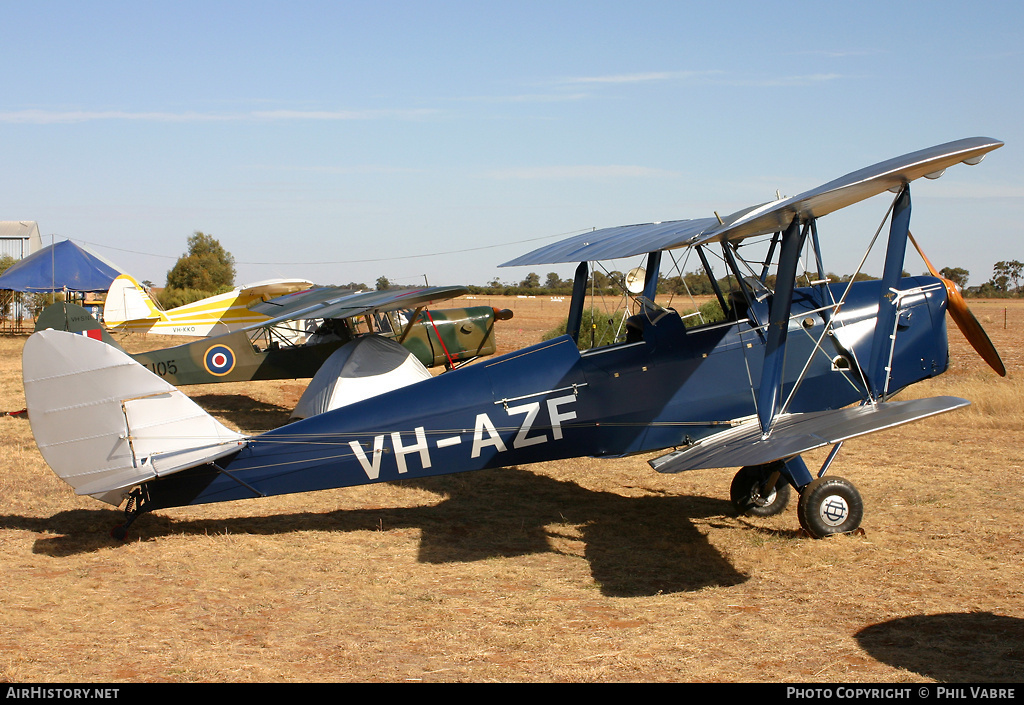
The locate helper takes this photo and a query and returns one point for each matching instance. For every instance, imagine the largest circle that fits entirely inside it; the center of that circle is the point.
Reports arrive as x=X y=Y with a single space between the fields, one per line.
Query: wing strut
x=579 y=293
x=651 y=276
x=881 y=344
x=714 y=282
x=730 y=255
x=778 y=325
x=822 y=283
x=768 y=258
x=448 y=355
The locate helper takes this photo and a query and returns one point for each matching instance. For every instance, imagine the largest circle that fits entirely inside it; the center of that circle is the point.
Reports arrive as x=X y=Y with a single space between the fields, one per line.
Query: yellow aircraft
x=129 y=308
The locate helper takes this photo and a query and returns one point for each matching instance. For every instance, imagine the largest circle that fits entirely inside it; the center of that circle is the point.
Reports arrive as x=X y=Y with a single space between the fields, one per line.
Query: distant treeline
x=1007 y=282
x=613 y=284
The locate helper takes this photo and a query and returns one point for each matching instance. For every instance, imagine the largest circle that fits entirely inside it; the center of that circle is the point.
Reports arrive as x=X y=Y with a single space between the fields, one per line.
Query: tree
x=696 y=283
x=532 y=281
x=1005 y=273
x=383 y=283
x=206 y=267
x=957 y=275
x=553 y=281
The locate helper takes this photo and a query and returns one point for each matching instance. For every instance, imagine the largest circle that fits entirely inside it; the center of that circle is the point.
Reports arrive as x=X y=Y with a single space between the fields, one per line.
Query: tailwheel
x=830 y=505
x=137 y=500
x=760 y=490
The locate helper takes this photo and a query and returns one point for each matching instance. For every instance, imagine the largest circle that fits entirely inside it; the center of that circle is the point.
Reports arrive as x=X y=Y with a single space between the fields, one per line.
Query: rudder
x=105 y=424
x=127 y=301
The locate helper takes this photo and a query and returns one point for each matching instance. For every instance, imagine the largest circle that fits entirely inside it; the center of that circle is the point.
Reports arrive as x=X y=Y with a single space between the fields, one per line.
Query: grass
x=576 y=571
x=601 y=325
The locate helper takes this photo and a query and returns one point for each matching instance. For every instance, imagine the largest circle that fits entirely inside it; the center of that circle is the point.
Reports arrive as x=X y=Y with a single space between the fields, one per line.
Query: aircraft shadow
x=635 y=546
x=974 y=647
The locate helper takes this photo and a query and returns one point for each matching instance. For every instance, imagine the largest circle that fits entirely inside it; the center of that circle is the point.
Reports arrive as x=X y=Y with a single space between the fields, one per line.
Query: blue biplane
x=790 y=369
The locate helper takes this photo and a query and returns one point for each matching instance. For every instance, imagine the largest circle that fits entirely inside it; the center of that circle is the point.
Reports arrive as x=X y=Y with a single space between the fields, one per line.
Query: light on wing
x=94 y=413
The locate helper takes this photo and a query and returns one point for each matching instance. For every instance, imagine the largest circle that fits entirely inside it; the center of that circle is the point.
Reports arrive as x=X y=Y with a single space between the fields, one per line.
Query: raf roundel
x=219 y=360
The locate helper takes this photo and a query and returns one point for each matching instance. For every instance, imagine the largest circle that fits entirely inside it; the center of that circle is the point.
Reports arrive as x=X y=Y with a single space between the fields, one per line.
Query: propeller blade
x=964 y=319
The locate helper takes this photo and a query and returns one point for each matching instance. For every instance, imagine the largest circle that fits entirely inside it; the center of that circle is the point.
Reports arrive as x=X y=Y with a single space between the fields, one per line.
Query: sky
x=432 y=141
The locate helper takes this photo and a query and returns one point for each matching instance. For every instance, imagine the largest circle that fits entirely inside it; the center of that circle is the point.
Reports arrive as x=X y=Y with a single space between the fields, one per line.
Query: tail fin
x=105 y=424
x=128 y=301
x=73 y=318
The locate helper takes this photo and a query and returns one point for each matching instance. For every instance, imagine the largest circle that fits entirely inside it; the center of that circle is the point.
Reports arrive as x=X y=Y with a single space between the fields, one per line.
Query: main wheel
x=830 y=505
x=750 y=497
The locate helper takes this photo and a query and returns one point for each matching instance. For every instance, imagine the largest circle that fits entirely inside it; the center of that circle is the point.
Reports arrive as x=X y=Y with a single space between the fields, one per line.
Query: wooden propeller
x=964 y=319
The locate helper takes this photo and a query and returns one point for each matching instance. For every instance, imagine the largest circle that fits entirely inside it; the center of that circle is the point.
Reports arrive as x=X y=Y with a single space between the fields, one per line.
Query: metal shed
x=19 y=238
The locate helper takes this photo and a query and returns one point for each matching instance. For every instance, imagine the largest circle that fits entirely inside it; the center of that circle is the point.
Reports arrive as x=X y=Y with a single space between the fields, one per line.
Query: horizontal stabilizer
x=105 y=423
x=793 y=434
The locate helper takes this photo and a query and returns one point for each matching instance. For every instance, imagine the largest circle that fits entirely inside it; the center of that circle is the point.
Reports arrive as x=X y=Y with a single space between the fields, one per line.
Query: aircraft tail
x=128 y=301
x=70 y=317
x=104 y=423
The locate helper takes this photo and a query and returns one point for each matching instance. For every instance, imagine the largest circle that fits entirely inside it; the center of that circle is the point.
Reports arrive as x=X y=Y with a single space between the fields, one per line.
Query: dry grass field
x=585 y=570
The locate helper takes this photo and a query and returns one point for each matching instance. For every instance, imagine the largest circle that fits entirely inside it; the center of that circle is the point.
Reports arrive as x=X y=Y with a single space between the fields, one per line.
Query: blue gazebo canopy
x=63 y=266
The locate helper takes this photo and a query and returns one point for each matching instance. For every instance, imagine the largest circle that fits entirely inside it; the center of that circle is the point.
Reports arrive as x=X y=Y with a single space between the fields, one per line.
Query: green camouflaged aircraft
x=276 y=349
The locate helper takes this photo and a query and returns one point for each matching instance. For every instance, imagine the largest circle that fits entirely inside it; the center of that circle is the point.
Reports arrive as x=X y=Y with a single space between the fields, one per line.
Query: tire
x=746 y=494
x=828 y=506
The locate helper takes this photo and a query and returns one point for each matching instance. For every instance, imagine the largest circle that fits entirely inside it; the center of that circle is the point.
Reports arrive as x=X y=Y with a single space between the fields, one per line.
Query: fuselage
x=129 y=308
x=446 y=337
x=550 y=401
x=215 y=315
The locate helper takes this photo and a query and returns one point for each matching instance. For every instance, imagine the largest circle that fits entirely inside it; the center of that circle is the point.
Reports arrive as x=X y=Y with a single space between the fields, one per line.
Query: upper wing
x=630 y=240
x=613 y=243
x=345 y=303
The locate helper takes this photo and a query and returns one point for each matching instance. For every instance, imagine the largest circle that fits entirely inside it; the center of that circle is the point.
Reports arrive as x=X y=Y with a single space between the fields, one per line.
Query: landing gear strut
x=827 y=505
x=760 y=490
